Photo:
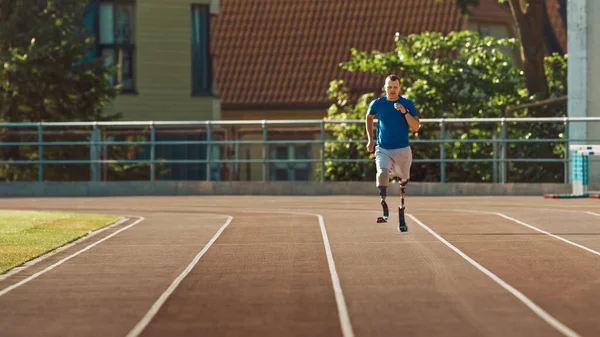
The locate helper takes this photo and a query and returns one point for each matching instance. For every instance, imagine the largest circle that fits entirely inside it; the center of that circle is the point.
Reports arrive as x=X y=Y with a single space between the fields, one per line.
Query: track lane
x=453 y=296
x=558 y=277
x=267 y=275
x=412 y=284
x=106 y=289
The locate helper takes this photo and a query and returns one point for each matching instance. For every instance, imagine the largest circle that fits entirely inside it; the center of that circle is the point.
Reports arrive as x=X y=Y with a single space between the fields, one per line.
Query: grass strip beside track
x=25 y=235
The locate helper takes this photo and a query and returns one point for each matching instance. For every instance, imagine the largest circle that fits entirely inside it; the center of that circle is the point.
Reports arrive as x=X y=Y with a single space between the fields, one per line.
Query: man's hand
x=410 y=119
x=400 y=108
x=370 y=145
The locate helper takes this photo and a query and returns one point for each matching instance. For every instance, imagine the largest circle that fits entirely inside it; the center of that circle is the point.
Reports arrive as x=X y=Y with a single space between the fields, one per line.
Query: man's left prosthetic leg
x=402 y=226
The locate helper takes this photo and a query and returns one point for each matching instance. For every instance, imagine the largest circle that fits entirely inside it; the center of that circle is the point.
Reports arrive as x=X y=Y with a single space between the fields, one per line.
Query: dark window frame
x=290 y=151
x=116 y=47
x=196 y=72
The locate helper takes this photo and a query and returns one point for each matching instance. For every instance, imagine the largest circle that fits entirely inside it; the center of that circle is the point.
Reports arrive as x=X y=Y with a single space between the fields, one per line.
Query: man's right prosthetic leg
x=383 y=179
x=402 y=226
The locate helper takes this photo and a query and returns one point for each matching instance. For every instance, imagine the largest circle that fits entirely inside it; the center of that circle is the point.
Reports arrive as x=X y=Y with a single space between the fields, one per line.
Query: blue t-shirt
x=392 y=125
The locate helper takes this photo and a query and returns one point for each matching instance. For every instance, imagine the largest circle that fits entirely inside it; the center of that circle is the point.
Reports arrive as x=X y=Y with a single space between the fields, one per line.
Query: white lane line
x=22 y=282
x=339 y=295
x=345 y=323
x=534 y=228
x=548 y=233
x=337 y=287
x=592 y=213
x=141 y=325
x=520 y=209
x=39 y=259
x=529 y=303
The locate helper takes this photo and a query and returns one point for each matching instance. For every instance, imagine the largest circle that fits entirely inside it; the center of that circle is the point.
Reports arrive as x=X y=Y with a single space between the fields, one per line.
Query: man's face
x=392 y=88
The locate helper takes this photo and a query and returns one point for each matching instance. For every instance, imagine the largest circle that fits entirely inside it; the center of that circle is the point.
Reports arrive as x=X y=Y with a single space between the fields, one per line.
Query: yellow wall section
x=163 y=66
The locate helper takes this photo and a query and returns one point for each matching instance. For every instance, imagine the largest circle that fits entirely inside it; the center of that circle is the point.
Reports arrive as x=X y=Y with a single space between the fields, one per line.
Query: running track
x=314 y=266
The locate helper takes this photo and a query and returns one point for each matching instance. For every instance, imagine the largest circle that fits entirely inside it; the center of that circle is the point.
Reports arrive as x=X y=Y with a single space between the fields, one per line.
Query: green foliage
x=529 y=19
x=46 y=74
x=458 y=75
x=346 y=132
x=43 y=76
x=445 y=73
x=556 y=72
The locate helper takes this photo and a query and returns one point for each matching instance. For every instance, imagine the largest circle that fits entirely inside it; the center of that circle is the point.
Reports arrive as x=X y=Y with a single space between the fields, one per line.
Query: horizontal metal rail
x=286 y=161
x=313 y=141
x=294 y=122
x=217 y=133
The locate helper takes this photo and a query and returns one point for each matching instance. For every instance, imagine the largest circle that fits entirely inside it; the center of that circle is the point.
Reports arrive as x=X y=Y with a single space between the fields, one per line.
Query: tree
x=43 y=44
x=458 y=75
x=47 y=74
x=529 y=16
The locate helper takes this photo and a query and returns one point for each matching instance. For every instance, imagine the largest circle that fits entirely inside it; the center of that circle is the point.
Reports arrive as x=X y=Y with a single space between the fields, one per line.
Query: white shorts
x=396 y=161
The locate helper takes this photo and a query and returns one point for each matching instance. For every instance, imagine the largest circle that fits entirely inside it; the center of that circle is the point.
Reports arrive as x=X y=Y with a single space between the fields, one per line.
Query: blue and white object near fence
x=579 y=171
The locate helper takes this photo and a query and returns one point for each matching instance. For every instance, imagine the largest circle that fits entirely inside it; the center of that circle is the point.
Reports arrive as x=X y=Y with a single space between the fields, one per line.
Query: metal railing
x=218 y=133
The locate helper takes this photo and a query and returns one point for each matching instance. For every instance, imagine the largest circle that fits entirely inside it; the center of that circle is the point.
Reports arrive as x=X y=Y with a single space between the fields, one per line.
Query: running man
x=393 y=155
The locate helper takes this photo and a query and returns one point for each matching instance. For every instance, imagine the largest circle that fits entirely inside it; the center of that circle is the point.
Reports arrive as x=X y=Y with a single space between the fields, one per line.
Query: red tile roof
x=284 y=53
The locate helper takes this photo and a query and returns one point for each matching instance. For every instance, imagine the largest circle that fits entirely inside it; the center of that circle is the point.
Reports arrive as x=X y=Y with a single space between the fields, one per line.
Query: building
x=162 y=51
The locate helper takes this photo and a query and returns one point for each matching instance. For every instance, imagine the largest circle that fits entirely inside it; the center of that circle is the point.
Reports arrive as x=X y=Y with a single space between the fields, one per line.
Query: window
x=115 y=39
x=298 y=171
x=483 y=30
x=90 y=18
x=495 y=30
x=201 y=65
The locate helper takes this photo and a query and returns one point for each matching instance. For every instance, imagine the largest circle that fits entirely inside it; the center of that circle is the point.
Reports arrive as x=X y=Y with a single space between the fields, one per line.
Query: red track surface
x=259 y=266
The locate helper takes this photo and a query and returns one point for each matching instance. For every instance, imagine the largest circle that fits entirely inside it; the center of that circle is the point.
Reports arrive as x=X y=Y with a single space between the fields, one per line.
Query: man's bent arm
x=369 y=125
x=414 y=122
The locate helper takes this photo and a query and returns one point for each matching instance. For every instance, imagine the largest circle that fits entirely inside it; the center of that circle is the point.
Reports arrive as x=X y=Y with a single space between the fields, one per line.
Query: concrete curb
x=130 y=188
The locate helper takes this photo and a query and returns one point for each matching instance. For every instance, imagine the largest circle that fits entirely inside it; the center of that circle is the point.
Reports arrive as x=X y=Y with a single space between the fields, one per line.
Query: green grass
x=25 y=235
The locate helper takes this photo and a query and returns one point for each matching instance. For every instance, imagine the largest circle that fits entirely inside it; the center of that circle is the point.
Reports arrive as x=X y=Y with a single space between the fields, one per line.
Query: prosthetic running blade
x=402 y=227
x=386 y=213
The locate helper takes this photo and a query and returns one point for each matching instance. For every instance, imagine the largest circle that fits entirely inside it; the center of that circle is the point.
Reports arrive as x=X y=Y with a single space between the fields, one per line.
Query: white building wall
x=583 y=33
